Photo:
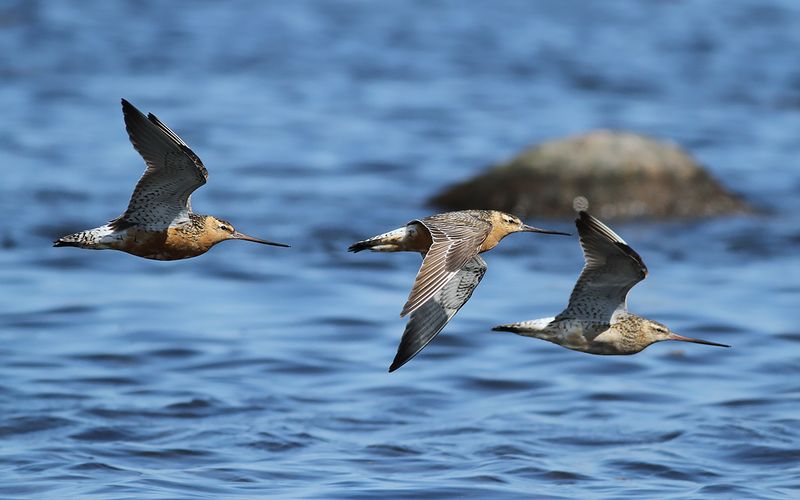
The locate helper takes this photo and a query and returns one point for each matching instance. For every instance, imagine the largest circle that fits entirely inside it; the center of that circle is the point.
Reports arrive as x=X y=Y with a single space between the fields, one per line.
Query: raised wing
x=456 y=238
x=161 y=197
x=429 y=319
x=612 y=269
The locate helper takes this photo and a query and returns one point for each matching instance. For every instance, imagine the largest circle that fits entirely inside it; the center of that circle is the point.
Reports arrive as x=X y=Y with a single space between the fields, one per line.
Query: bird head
x=656 y=332
x=512 y=224
x=220 y=230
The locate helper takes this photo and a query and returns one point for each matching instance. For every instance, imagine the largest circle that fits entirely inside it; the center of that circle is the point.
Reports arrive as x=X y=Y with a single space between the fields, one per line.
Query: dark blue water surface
x=254 y=371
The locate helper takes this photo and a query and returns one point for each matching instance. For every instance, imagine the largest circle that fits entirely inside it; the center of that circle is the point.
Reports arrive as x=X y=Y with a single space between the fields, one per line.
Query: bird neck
x=494 y=237
x=631 y=336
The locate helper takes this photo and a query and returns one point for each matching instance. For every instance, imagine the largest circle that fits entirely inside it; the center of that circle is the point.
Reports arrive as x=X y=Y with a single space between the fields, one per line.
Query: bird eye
x=224 y=227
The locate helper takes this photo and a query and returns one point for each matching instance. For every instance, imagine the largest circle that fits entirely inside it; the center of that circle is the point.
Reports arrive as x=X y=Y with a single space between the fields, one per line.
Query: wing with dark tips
x=429 y=319
x=162 y=196
x=456 y=238
x=612 y=268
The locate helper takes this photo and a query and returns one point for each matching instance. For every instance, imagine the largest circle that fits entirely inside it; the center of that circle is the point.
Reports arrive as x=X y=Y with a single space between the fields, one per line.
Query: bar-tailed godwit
x=159 y=222
x=597 y=320
x=451 y=267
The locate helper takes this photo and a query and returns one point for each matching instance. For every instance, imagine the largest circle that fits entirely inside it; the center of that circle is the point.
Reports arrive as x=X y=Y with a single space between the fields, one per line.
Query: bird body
x=626 y=335
x=596 y=320
x=450 y=244
x=180 y=241
x=159 y=223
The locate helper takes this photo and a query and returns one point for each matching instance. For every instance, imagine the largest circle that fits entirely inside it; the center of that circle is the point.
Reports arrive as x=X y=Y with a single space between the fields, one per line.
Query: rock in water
x=623 y=175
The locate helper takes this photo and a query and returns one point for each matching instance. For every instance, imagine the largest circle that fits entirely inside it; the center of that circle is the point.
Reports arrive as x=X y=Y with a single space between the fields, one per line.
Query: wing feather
x=456 y=238
x=430 y=318
x=162 y=195
x=612 y=268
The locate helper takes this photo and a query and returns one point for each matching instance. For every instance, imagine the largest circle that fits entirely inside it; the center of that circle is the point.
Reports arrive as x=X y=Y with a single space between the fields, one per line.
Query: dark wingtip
x=129 y=111
x=411 y=344
x=398 y=362
x=403 y=356
x=127 y=107
x=419 y=332
x=590 y=223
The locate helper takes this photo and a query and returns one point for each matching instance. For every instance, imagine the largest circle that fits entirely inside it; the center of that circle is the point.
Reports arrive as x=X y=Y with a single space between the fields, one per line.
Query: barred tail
x=515 y=328
x=525 y=328
x=386 y=242
x=92 y=238
x=361 y=245
x=66 y=241
x=73 y=240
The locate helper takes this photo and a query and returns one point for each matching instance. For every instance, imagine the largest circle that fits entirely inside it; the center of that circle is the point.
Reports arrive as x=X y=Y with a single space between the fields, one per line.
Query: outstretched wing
x=429 y=319
x=161 y=197
x=456 y=238
x=612 y=269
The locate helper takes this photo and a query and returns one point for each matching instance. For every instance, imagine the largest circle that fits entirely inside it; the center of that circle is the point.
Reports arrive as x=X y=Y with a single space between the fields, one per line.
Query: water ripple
x=250 y=372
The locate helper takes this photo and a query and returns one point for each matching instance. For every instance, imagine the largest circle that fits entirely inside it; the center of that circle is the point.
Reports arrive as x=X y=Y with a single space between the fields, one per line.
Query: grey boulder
x=621 y=174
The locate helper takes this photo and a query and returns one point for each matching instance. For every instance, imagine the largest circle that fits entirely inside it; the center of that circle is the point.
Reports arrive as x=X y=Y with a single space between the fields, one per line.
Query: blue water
x=253 y=371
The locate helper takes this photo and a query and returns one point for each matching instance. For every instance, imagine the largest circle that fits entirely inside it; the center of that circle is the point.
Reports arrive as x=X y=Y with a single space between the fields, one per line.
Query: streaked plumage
x=432 y=316
x=162 y=197
x=451 y=268
x=159 y=222
x=596 y=319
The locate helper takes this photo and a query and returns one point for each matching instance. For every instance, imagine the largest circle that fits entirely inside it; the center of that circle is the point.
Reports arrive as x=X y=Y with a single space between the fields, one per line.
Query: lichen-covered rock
x=621 y=174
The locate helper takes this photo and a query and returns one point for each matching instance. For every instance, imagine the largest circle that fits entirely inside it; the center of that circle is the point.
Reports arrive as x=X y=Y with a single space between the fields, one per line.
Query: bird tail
x=360 y=245
x=386 y=242
x=526 y=328
x=73 y=240
x=91 y=238
x=66 y=241
x=514 y=328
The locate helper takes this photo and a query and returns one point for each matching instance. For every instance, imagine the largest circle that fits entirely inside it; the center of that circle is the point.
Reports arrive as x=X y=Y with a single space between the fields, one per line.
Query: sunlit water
x=257 y=370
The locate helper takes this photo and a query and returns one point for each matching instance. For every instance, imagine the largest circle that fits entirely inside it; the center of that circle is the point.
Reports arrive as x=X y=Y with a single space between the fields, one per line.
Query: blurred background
x=255 y=370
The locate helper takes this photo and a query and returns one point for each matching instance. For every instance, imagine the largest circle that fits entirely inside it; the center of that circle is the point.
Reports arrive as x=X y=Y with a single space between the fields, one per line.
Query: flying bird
x=159 y=223
x=597 y=320
x=451 y=267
